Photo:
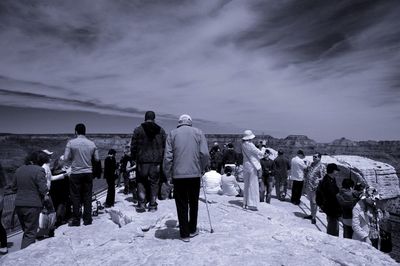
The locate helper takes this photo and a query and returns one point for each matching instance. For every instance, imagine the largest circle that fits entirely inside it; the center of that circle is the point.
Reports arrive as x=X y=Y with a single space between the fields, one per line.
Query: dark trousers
x=186 y=193
x=110 y=199
x=81 y=186
x=3 y=233
x=266 y=185
x=332 y=227
x=148 y=179
x=29 y=219
x=347 y=231
x=281 y=187
x=297 y=190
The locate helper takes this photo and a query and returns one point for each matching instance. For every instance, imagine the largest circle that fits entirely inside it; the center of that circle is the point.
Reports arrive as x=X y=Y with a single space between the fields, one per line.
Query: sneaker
x=87 y=223
x=185 y=239
x=152 y=208
x=3 y=251
x=74 y=223
x=308 y=217
x=313 y=221
x=140 y=209
x=196 y=233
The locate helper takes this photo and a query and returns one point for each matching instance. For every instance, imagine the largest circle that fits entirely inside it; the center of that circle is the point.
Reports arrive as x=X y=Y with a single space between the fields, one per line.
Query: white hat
x=185 y=120
x=248 y=134
x=47 y=152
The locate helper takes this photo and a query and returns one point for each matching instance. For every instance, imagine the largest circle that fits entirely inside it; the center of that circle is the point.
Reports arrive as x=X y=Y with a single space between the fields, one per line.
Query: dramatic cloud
x=283 y=67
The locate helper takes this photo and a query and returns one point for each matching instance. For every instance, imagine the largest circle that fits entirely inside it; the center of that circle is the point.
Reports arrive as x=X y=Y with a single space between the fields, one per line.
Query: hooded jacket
x=148 y=142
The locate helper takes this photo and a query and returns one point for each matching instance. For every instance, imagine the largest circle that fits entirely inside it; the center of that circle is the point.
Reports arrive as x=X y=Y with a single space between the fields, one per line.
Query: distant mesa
x=344 y=142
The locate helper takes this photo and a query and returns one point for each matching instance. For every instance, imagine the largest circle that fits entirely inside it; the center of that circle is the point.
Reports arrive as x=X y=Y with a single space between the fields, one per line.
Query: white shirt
x=212 y=182
x=297 y=167
x=229 y=185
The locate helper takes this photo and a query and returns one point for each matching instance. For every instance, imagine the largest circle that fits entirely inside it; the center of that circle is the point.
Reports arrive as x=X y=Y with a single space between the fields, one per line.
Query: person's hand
x=367 y=240
x=169 y=182
x=68 y=171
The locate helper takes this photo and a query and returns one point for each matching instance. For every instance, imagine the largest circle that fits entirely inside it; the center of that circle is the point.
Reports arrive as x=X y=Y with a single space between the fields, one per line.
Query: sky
x=322 y=69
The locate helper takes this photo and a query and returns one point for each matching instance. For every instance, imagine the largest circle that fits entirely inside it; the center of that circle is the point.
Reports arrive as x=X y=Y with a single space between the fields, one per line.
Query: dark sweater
x=30 y=183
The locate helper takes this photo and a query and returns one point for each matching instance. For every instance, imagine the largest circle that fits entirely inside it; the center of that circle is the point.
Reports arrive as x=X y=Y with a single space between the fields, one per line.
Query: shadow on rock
x=171 y=232
x=299 y=214
x=236 y=202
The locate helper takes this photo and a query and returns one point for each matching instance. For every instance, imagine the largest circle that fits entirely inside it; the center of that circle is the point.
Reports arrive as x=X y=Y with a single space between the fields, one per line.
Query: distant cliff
x=13 y=147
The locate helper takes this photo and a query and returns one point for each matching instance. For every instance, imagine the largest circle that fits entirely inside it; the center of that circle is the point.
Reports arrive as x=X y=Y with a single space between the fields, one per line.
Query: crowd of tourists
x=156 y=165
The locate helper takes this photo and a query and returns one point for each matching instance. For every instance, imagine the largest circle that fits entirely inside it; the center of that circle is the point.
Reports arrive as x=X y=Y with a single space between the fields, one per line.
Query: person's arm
x=40 y=180
x=67 y=153
x=134 y=145
x=96 y=156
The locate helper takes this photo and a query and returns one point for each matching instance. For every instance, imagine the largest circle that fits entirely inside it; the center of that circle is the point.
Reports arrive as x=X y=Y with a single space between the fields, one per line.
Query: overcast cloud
x=319 y=68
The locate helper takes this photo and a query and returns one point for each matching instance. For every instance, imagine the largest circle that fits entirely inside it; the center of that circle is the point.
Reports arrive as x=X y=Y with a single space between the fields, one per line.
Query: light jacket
x=360 y=223
x=186 y=153
x=251 y=155
x=297 y=167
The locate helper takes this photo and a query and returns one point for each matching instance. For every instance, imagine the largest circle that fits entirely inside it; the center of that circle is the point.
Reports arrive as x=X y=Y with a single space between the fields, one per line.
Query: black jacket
x=148 y=143
x=110 y=165
x=329 y=190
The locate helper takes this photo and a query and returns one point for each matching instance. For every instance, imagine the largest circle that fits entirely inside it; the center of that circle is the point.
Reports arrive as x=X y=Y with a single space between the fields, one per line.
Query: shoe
x=313 y=221
x=3 y=251
x=308 y=217
x=108 y=205
x=87 y=223
x=140 y=209
x=185 y=239
x=251 y=208
x=74 y=223
x=152 y=208
x=196 y=233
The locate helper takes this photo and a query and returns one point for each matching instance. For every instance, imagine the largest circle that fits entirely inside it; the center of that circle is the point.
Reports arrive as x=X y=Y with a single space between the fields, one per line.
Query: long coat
x=251 y=164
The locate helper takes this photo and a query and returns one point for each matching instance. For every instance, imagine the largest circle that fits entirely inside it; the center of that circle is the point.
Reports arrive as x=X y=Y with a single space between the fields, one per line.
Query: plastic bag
x=47 y=220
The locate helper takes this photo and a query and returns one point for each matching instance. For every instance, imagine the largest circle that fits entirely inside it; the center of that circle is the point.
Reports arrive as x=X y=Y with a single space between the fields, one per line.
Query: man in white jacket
x=185 y=159
x=297 y=167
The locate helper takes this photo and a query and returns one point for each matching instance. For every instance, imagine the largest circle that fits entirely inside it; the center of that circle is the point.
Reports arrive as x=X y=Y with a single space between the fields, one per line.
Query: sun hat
x=248 y=134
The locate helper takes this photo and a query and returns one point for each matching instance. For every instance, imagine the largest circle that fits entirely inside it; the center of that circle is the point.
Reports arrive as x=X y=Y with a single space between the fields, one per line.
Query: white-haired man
x=185 y=159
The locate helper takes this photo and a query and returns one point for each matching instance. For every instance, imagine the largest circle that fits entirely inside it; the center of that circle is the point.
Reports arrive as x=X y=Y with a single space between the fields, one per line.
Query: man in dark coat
x=330 y=205
x=281 y=167
x=110 y=167
x=147 y=150
x=229 y=156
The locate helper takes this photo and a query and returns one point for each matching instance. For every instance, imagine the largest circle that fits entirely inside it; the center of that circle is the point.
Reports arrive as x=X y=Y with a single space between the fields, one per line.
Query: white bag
x=47 y=220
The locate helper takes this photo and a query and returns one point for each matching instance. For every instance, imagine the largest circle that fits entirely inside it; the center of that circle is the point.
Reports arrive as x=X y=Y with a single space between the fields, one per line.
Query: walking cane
x=208 y=212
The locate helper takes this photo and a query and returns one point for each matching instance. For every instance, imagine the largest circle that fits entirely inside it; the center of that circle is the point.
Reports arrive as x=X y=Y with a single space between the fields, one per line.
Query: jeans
x=281 y=187
x=333 y=226
x=313 y=204
x=29 y=219
x=266 y=186
x=186 y=193
x=347 y=231
x=148 y=179
x=110 y=199
x=81 y=186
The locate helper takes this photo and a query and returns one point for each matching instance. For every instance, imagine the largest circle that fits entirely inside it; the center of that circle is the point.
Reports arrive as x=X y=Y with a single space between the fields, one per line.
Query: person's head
x=112 y=152
x=44 y=156
x=149 y=116
x=230 y=145
x=248 y=135
x=31 y=158
x=331 y=168
x=228 y=170
x=371 y=195
x=80 y=129
x=280 y=152
x=317 y=157
x=300 y=153
x=185 y=120
x=213 y=166
x=267 y=153
x=347 y=183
